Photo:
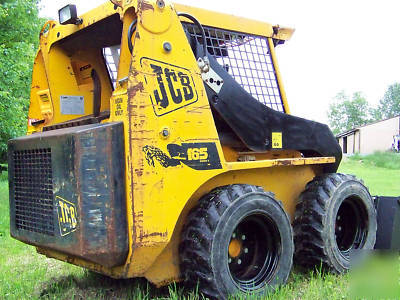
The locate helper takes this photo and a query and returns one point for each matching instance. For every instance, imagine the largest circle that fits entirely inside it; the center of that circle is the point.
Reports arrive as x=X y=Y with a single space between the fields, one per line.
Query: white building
x=377 y=136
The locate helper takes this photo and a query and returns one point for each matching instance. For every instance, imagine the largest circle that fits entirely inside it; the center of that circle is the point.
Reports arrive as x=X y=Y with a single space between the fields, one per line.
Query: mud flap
x=388 y=214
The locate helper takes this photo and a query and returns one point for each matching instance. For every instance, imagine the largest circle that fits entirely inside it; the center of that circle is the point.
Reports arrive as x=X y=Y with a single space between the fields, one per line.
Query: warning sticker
x=277 y=140
x=72 y=105
x=82 y=71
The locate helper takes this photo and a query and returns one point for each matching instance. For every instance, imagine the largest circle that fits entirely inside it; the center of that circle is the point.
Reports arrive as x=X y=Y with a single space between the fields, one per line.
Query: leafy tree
x=345 y=113
x=389 y=106
x=19 y=32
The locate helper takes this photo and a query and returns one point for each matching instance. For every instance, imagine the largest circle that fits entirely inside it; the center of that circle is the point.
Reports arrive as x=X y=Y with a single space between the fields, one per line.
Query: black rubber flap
x=388 y=231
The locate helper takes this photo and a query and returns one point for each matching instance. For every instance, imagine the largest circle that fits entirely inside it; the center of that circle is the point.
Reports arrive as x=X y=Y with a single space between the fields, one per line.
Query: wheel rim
x=351 y=225
x=253 y=252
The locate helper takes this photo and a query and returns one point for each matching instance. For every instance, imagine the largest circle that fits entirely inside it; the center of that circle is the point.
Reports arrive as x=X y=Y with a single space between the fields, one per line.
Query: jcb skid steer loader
x=160 y=145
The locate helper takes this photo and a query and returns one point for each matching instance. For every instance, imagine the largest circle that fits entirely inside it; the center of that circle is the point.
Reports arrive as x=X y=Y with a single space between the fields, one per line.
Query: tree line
x=19 y=37
x=347 y=112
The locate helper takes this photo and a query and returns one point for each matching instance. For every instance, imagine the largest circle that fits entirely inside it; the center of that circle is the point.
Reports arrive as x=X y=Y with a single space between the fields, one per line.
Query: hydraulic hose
x=199 y=26
x=96 y=93
x=131 y=30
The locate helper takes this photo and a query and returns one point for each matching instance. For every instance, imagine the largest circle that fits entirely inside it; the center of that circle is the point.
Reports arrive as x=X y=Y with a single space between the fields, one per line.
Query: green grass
x=380 y=172
x=387 y=160
x=24 y=274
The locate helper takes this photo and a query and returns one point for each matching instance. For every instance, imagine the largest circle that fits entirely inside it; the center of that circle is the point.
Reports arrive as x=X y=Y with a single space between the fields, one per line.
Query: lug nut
x=239 y=261
x=233 y=235
x=243 y=237
x=229 y=260
x=246 y=250
x=340 y=228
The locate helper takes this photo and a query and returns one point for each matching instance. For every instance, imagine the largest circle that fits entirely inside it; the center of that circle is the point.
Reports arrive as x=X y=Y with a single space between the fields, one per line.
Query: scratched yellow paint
x=162 y=187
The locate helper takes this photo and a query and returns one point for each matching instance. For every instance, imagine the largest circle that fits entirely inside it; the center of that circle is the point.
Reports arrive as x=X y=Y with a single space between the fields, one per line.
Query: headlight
x=67 y=15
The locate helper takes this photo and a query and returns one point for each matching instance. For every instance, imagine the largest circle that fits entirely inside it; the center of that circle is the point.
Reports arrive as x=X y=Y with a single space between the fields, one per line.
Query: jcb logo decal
x=67 y=217
x=171 y=87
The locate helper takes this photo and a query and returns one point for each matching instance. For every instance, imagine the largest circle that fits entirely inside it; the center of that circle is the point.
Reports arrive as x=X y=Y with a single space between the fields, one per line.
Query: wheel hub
x=235 y=248
x=253 y=252
x=351 y=226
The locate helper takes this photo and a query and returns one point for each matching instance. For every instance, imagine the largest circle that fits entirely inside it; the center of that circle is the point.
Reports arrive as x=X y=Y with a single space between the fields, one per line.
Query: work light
x=68 y=15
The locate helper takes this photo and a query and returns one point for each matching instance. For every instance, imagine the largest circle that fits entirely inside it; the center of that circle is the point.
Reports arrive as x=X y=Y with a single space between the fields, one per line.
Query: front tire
x=238 y=239
x=335 y=215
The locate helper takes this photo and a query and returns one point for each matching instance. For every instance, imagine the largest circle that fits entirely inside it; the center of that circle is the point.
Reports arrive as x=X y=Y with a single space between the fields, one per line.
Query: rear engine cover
x=67 y=192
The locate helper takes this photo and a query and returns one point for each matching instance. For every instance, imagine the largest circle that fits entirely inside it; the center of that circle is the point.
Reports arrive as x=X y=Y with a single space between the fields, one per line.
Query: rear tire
x=335 y=215
x=238 y=239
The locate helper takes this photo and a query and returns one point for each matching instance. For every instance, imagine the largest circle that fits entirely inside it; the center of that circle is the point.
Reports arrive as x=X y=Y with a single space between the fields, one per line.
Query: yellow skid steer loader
x=160 y=145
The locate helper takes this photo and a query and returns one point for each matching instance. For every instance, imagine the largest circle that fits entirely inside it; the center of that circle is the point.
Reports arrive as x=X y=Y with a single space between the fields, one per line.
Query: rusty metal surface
x=86 y=120
x=88 y=192
x=267 y=163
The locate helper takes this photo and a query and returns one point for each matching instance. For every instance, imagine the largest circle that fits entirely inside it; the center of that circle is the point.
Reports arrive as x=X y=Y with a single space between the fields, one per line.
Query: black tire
x=246 y=225
x=335 y=215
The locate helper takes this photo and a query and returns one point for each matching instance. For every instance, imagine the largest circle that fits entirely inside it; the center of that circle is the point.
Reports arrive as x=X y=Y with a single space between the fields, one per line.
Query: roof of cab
x=206 y=17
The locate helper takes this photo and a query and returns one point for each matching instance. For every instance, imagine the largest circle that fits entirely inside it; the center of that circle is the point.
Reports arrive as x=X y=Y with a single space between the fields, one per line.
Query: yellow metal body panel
x=279 y=77
x=286 y=182
x=206 y=17
x=221 y=20
x=57 y=63
x=159 y=195
x=39 y=85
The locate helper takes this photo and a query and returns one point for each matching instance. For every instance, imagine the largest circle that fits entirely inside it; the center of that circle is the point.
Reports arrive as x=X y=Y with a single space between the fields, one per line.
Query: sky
x=350 y=45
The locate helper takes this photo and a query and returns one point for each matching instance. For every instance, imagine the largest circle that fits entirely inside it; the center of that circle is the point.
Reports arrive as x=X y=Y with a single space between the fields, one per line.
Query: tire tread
x=308 y=224
x=195 y=246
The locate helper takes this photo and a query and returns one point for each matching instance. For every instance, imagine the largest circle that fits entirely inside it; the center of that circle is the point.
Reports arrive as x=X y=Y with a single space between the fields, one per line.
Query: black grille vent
x=33 y=191
x=247 y=59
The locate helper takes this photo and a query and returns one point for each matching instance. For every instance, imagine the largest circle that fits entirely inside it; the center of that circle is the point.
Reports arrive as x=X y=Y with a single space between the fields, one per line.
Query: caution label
x=72 y=105
x=277 y=140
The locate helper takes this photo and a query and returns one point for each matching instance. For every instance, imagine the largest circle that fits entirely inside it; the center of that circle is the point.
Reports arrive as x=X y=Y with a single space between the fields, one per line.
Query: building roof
x=349 y=132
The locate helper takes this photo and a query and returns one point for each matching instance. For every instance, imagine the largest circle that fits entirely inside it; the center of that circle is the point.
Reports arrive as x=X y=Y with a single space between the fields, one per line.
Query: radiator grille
x=247 y=59
x=33 y=191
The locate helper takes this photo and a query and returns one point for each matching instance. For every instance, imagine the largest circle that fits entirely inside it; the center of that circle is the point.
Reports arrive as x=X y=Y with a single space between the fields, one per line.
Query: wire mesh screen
x=33 y=190
x=247 y=59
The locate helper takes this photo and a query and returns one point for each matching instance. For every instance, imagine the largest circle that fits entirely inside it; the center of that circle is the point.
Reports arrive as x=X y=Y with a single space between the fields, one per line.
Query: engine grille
x=33 y=191
x=247 y=59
